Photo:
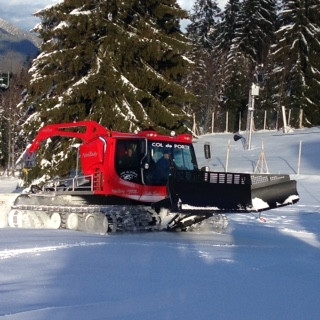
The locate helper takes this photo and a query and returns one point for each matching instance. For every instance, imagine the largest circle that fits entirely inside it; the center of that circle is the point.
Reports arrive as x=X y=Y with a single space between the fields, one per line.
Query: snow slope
x=258 y=269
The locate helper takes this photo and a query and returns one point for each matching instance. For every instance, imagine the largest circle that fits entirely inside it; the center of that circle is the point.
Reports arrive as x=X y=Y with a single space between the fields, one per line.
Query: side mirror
x=207 y=151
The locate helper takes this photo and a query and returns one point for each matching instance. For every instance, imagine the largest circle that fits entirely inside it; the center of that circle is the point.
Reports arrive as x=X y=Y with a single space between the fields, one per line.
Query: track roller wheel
x=28 y=219
x=72 y=221
x=95 y=223
x=15 y=219
x=104 y=225
x=90 y=223
x=55 y=220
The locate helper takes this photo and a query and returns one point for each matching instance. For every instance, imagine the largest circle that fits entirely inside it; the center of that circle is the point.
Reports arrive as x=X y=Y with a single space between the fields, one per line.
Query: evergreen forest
x=129 y=65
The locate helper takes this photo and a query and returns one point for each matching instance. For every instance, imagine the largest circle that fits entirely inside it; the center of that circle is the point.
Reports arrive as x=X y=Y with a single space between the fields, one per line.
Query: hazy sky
x=20 y=12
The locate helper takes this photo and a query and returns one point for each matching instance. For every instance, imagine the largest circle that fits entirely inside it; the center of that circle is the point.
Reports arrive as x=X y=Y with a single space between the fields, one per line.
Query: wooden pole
x=284 y=119
x=227 y=121
x=299 y=158
x=300 y=118
x=227 y=160
x=212 y=123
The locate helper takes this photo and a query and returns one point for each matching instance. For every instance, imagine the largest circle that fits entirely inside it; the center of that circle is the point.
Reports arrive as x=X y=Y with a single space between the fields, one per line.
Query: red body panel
x=97 y=156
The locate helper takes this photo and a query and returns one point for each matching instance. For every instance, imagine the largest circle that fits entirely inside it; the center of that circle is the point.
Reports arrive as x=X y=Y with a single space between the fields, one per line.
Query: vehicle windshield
x=181 y=155
x=161 y=156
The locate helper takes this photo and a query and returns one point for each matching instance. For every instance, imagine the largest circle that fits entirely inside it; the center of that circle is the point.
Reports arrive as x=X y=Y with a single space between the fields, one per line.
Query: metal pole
x=248 y=120
x=251 y=122
x=254 y=91
x=77 y=165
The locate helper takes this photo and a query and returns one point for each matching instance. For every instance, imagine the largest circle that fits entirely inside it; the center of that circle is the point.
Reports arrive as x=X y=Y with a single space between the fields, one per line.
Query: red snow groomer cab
x=141 y=181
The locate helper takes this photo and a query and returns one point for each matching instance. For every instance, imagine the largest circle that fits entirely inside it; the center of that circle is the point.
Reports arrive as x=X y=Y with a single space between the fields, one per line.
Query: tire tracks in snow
x=12 y=253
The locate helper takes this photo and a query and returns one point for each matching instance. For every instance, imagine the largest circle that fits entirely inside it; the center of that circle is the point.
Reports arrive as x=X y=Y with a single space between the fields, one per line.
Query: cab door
x=128 y=159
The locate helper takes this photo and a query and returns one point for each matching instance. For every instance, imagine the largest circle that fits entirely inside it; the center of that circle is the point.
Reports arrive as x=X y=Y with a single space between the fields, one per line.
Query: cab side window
x=127 y=160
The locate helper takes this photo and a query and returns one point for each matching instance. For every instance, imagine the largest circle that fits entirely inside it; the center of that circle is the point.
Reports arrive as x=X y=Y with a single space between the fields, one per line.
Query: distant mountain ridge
x=17 y=47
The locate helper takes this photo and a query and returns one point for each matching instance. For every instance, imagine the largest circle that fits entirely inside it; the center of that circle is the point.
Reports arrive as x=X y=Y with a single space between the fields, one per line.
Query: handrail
x=77 y=183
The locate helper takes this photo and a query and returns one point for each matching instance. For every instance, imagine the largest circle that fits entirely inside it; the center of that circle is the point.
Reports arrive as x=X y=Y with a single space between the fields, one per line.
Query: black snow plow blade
x=201 y=191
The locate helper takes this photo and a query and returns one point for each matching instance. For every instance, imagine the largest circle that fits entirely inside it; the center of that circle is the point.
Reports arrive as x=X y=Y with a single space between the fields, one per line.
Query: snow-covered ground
x=257 y=269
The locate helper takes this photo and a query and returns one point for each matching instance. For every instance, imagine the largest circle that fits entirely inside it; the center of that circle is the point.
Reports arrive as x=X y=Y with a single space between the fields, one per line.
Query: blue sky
x=20 y=12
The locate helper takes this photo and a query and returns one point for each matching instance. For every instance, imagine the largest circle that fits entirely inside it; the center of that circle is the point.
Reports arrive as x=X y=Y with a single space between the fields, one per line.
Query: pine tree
x=256 y=26
x=233 y=65
x=244 y=36
x=203 y=21
x=297 y=63
x=204 y=79
x=119 y=63
x=227 y=27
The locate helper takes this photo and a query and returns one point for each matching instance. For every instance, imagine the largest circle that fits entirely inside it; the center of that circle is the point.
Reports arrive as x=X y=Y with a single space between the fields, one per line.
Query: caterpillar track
x=104 y=219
